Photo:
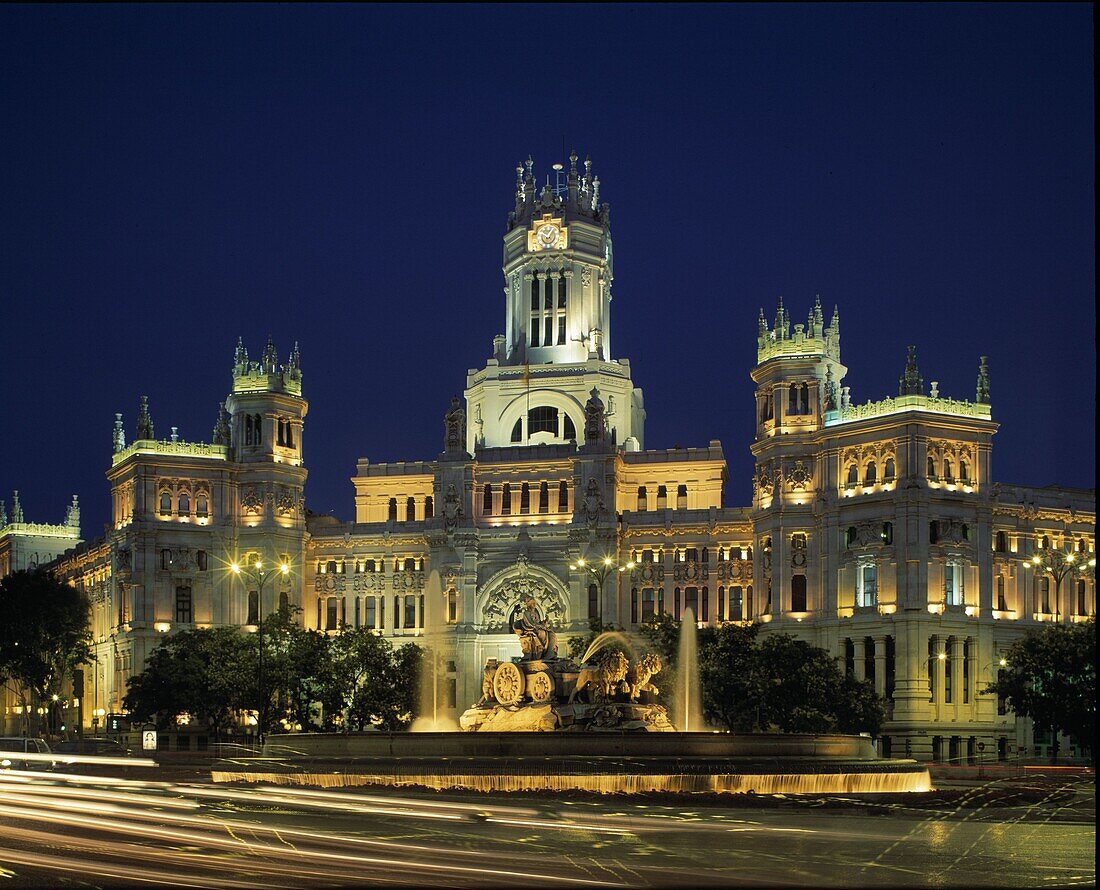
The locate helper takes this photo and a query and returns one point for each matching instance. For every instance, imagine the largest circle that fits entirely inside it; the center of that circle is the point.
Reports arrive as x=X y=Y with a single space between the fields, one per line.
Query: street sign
x=149 y=740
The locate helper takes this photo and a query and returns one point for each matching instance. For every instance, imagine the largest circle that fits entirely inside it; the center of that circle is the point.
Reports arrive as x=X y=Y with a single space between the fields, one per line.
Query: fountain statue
x=543 y=692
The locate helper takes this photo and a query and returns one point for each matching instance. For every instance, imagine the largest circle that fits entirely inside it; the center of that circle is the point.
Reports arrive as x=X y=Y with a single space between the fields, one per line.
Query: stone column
x=860 y=646
x=940 y=668
x=880 y=666
x=956 y=674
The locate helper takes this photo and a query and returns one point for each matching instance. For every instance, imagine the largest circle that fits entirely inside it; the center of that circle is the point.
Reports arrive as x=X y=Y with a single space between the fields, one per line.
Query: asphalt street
x=85 y=831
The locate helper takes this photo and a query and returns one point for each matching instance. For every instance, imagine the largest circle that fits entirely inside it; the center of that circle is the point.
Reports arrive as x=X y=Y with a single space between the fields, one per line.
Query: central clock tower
x=556 y=347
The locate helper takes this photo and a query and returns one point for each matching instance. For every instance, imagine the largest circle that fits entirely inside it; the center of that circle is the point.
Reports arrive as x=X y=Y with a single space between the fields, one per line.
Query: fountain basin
x=610 y=762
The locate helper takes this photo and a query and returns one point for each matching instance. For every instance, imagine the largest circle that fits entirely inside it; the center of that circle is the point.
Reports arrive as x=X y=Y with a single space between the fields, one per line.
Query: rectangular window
x=410 y=611
x=866 y=586
x=676 y=604
x=548 y=327
x=704 y=605
x=1002 y=606
x=253 y=607
x=534 y=294
x=953 y=584
x=370 y=612
x=1082 y=608
x=534 y=330
x=331 y=620
x=634 y=605
x=358 y=612
x=647 y=604
x=561 y=330
x=798 y=593
x=691 y=601
x=1044 y=595
x=593 y=601
x=966 y=672
x=736 y=605
x=452 y=607
x=183 y=605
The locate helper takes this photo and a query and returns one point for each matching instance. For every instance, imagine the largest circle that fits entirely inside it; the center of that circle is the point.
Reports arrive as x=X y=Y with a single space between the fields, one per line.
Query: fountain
x=546 y=723
x=687 y=696
x=430 y=719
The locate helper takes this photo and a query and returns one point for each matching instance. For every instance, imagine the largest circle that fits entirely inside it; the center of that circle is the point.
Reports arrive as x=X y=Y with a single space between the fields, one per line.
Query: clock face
x=547 y=235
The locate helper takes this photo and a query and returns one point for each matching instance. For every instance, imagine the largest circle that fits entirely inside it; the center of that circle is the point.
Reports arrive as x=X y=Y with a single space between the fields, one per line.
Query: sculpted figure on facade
x=452 y=508
x=594 y=426
x=454 y=422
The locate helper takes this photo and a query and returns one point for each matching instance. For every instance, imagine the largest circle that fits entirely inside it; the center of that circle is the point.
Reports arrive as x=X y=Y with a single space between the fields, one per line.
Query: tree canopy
x=44 y=633
x=1050 y=676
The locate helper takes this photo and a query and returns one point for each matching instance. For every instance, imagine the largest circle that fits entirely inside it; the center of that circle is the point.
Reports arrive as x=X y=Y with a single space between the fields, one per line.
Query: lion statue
x=640 y=673
x=605 y=677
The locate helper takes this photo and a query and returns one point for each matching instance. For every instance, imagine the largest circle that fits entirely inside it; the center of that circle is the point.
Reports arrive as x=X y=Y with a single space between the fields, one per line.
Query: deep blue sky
x=172 y=177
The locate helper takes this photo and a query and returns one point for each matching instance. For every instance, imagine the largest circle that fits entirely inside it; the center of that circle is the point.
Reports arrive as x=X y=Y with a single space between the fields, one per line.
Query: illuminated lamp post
x=599 y=572
x=1058 y=564
x=257 y=573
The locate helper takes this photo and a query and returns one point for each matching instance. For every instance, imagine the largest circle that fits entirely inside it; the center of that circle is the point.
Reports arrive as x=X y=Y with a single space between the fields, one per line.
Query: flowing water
x=606 y=639
x=687 y=703
x=433 y=716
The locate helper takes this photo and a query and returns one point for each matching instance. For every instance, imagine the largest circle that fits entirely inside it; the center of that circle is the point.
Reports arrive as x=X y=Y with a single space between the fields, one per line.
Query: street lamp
x=599 y=571
x=1058 y=564
x=257 y=573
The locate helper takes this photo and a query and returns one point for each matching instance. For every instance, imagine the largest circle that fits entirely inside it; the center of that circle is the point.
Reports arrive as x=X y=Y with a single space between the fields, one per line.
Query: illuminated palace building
x=875 y=529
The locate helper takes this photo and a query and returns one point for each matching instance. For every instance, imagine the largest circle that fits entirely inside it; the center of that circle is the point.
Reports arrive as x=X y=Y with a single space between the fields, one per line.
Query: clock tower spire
x=558 y=269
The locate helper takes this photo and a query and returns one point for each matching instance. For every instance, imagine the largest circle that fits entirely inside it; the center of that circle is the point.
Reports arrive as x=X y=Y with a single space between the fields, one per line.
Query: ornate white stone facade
x=875 y=530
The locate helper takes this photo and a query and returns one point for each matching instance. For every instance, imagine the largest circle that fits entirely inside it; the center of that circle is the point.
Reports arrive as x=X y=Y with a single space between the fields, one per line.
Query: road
x=83 y=831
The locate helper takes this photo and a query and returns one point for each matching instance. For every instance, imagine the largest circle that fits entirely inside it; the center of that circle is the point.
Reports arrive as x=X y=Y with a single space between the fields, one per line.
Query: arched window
x=805 y=398
x=392 y=516
x=641 y=499
x=248 y=429
x=570 y=431
x=165 y=504
x=506 y=500
x=681 y=497
x=257 y=428
x=517 y=431
x=543 y=419
x=792 y=399
x=870 y=477
x=889 y=471
x=1001 y=544
x=202 y=506
x=185 y=505
x=798 y=593
x=948 y=471
x=429 y=507
x=410 y=509
x=289 y=435
x=279 y=425
x=563 y=497
x=487 y=500
x=525 y=498
x=964 y=471
x=544 y=497
x=853 y=474
x=931 y=467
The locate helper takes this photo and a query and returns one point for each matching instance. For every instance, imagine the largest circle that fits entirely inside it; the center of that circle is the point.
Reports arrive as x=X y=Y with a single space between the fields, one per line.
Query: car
x=12 y=746
x=94 y=747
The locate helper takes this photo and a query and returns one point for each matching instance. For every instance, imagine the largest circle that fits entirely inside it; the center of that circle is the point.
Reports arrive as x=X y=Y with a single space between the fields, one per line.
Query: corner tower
x=558 y=270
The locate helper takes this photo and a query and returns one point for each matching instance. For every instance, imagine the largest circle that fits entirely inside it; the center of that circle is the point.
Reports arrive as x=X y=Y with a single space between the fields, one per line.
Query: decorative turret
x=782 y=323
x=240 y=358
x=569 y=193
x=911 y=383
x=72 y=514
x=145 y=422
x=294 y=364
x=16 y=508
x=221 y=426
x=982 y=397
x=118 y=436
x=814 y=338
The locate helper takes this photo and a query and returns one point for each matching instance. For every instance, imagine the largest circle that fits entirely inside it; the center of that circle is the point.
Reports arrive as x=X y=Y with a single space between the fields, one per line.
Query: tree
x=207 y=674
x=44 y=636
x=1050 y=677
x=300 y=668
x=370 y=685
x=729 y=671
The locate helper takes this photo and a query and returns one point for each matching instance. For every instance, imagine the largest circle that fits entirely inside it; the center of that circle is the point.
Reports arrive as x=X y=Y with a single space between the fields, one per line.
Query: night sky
x=173 y=177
